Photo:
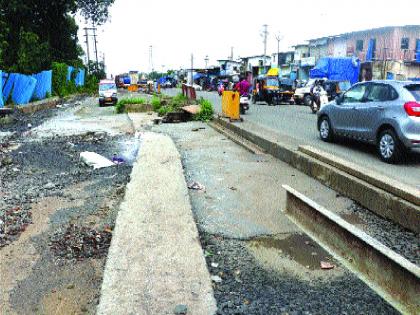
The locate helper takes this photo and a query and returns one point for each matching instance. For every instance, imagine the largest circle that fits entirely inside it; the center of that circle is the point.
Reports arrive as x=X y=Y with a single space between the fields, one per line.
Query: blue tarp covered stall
x=43 y=85
x=337 y=68
x=418 y=51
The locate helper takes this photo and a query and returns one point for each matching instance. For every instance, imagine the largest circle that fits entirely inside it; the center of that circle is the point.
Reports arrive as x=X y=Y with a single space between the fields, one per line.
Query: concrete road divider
x=391 y=275
x=155 y=262
x=375 y=198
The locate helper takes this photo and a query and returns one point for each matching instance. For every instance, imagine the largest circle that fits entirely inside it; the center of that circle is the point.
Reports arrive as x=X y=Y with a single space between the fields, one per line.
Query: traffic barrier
x=230 y=105
x=189 y=92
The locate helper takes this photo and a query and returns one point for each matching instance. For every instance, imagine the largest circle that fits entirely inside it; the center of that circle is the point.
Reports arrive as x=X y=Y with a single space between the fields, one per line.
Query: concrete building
x=386 y=52
x=229 y=67
x=254 y=66
x=302 y=61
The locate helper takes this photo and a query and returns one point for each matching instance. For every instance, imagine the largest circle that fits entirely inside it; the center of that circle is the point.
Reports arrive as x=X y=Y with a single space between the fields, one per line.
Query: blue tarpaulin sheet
x=8 y=87
x=337 y=68
x=1 y=90
x=80 y=77
x=418 y=51
x=23 y=89
x=369 y=53
x=43 y=84
x=70 y=70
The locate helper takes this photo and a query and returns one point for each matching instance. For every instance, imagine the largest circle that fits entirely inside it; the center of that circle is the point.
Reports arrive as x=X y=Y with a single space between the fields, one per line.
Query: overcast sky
x=176 y=29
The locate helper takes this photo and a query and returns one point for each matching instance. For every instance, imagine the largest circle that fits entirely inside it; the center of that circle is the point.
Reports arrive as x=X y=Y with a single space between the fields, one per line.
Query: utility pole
x=192 y=67
x=96 y=47
x=151 y=58
x=87 y=29
x=231 y=53
x=264 y=35
x=87 y=48
x=206 y=60
x=278 y=37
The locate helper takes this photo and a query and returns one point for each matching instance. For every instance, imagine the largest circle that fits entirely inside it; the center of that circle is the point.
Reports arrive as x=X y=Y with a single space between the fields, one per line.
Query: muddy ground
x=56 y=213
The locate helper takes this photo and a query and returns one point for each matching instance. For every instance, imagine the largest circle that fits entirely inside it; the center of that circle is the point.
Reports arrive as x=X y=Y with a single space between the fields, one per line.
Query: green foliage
x=120 y=107
x=206 y=110
x=164 y=110
x=59 y=79
x=34 y=33
x=156 y=103
x=179 y=101
x=91 y=85
x=32 y=55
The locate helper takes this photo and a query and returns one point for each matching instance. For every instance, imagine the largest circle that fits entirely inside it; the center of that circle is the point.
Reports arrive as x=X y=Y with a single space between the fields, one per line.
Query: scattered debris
x=326 y=265
x=233 y=188
x=192 y=109
x=95 y=160
x=118 y=160
x=181 y=309
x=78 y=242
x=12 y=223
x=196 y=186
x=214 y=265
x=216 y=279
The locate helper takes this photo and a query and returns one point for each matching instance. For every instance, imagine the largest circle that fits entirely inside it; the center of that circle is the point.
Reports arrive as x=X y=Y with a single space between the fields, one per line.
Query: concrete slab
x=155 y=260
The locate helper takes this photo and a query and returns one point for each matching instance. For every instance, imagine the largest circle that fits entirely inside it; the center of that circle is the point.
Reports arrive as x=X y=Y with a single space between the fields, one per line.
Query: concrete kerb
x=155 y=261
x=377 y=200
x=395 y=187
x=359 y=252
x=46 y=104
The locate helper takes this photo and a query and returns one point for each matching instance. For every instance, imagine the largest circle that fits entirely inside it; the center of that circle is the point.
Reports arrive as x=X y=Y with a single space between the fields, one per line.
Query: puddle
x=297 y=247
x=352 y=218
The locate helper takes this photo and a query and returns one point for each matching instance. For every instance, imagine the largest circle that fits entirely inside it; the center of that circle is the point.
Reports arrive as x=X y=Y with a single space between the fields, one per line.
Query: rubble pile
x=13 y=222
x=79 y=242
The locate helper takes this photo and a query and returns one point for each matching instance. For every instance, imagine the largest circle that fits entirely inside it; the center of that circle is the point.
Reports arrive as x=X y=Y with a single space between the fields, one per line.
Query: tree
x=96 y=11
x=54 y=25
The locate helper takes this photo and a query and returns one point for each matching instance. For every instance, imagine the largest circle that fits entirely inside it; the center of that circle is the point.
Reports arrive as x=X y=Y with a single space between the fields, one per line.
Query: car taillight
x=412 y=109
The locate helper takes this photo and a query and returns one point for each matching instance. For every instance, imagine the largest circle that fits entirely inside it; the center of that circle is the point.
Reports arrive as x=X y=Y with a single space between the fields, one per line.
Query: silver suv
x=384 y=113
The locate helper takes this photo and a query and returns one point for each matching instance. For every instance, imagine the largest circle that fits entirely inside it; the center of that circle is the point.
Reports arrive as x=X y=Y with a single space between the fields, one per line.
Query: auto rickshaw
x=271 y=90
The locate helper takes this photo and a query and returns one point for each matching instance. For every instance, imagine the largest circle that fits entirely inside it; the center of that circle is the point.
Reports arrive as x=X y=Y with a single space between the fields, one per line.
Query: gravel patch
x=400 y=240
x=248 y=288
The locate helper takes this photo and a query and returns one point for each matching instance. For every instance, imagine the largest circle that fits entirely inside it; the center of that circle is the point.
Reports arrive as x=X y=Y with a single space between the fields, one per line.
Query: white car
x=107 y=93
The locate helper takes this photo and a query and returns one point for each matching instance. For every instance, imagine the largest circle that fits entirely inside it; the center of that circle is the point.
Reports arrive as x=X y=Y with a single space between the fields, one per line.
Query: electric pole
x=87 y=29
x=192 y=67
x=278 y=37
x=151 y=58
x=264 y=35
x=231 y=53
x=87 y=48
x=96 y=48
x=206 y=60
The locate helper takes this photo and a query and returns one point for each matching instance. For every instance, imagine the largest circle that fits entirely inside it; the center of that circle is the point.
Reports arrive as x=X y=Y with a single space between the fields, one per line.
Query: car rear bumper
x=410 y=132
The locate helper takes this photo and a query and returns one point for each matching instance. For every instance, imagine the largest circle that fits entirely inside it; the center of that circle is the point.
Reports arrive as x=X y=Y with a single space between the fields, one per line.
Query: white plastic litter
x=96 y=160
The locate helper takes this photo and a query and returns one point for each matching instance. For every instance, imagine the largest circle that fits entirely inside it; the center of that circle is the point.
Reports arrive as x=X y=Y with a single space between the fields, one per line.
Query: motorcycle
x=319 y=99
x=243 y=104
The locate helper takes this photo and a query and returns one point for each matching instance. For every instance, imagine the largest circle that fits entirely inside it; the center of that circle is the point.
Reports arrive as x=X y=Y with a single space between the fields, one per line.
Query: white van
x=107 y=93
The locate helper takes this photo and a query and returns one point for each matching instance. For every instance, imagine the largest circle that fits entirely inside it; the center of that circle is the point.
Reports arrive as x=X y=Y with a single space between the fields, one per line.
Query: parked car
x=384 y=113
x=107 y=93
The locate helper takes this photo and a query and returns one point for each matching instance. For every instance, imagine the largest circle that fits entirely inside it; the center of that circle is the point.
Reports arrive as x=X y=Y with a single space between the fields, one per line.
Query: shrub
x=120 y=107
x=156 y=103
x=59 y=79
x=206 y=110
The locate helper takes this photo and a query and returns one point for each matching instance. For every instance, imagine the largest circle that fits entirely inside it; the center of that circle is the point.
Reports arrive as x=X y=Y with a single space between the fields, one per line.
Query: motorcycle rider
x=317 y=91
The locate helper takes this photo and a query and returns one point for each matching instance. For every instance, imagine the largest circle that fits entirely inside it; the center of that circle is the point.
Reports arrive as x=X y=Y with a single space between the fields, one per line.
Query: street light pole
x=278 y=37
x=206 y=60
x=192 y=67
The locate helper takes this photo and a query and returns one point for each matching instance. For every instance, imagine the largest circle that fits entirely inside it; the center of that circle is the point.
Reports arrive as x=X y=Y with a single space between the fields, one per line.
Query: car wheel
x=389 y=147
x=325 y=131
x=307 y=100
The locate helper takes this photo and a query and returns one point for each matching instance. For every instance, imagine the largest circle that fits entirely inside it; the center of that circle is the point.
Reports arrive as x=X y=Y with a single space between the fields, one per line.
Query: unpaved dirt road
x=57 y=214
